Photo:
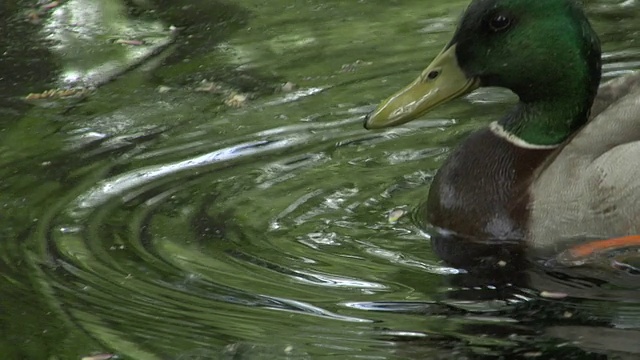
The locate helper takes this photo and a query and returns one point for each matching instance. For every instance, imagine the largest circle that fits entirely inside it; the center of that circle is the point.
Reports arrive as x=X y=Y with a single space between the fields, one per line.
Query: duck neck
x=545 y=123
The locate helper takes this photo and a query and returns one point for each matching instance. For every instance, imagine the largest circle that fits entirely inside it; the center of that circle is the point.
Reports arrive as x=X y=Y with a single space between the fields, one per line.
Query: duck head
x=545 y=51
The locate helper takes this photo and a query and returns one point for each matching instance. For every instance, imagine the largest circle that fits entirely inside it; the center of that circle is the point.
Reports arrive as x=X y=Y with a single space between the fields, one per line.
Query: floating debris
x=34 y=16
x=50 y=5
x=354 y=66
x=208 y=86
x=101 y=357
x=163 y=89
x=288 y=87
x=502 y=263
x=394 y=215
x=236 y=100
x=53 y=94
x=231 y=96
x=553 y=295
x=131 y=42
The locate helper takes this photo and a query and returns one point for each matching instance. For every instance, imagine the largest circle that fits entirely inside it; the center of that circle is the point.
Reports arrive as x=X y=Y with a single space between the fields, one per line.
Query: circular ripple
x=215 y=247
x=276 y=240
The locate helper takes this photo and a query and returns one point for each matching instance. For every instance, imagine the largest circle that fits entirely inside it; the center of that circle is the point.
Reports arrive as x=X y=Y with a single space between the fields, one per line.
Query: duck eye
x=499 y=23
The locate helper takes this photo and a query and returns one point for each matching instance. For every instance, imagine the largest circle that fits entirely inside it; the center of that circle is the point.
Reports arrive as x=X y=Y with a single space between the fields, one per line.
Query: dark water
x=155 y=220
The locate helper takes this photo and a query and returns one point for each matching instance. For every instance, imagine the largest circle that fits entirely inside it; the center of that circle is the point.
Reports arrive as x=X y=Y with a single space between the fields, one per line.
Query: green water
x=154 y=221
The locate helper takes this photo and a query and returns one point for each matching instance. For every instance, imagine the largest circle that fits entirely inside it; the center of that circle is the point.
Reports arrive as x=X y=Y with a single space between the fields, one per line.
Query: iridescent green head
x=545 y=51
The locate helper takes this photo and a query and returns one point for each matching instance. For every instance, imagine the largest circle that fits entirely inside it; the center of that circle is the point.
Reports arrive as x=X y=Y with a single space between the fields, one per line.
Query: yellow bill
x=441 y=81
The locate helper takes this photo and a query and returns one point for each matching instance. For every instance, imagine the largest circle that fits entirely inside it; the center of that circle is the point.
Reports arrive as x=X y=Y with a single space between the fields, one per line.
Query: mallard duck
x=560 y=172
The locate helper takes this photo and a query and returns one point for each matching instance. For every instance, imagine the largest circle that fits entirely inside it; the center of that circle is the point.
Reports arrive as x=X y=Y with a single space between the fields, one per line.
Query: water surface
x=196 y=209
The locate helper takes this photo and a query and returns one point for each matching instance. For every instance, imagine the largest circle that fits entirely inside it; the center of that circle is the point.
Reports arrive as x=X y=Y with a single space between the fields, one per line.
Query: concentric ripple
x=215 y=248
x=282 y=229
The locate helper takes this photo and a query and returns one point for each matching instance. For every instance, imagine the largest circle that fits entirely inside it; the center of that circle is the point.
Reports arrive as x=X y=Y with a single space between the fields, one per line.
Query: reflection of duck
x=546 y=172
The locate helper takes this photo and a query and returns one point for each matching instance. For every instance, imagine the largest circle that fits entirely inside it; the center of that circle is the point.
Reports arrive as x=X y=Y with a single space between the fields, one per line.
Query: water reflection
x=171 y=226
